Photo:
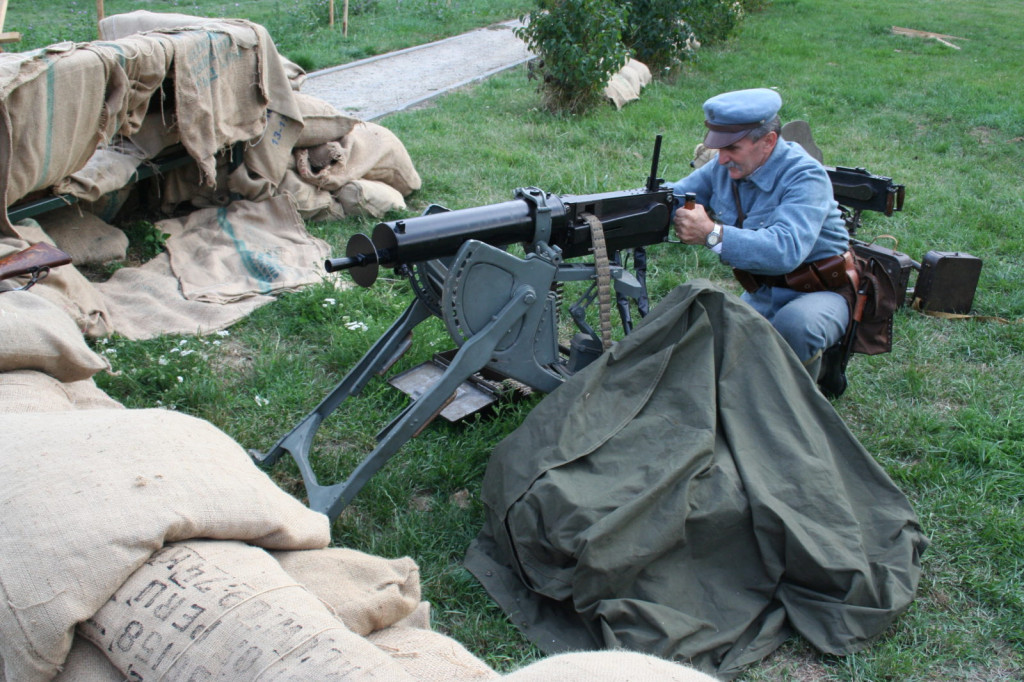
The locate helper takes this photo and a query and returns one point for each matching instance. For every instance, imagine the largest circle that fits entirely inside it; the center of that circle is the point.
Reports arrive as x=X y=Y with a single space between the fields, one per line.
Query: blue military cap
x=731 y=115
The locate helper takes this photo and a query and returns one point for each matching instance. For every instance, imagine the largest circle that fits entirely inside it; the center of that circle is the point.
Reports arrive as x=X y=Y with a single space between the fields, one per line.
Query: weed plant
x=942 y=412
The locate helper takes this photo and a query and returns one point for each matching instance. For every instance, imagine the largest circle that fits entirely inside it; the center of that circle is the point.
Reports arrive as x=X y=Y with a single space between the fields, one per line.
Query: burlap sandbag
x=213 y=113
x=106 y=171
x=35 y=334
x=226 y=254
x=367 y=592
x=275 y=78
x=295 y=73
x=65 y=286
x=204 y=610
x=321 y=166
x=625 y=85
x=146 y=61
x=606 y=666
x=146 y=301
x=184 y=185
x=86 y=663
x=31 y=391
x=44 y=134
x=430 y=656
x=312 y=203
x=370 y=198
x=84 y=236
x=117 y=26
x=89 y=495
x=157 y=132
x=322 y=122
x=372 y=152
x=247 y=185
x=269 y=155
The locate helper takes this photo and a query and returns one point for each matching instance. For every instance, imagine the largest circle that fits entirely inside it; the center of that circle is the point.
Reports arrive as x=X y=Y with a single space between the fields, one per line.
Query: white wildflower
x=356 y=326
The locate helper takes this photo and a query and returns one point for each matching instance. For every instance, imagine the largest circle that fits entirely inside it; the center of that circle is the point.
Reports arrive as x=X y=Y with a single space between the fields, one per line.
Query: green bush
x=579 y=46
x=657 y=33
x=712 y=21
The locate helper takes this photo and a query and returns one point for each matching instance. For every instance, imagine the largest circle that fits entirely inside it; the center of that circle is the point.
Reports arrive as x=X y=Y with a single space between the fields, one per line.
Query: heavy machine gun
x=500 y=309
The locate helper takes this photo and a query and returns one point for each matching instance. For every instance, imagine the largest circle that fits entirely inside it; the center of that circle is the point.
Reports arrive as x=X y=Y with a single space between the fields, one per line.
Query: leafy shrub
x=579 y=46
x=145 y=240
x=658 y=34
x=712 y=21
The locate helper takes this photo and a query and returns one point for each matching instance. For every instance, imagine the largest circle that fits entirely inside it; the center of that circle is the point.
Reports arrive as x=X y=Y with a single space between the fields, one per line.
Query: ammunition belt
x=603 y=269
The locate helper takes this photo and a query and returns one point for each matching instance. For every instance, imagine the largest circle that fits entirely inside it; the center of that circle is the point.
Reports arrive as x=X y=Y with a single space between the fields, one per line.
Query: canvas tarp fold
x=690 y=494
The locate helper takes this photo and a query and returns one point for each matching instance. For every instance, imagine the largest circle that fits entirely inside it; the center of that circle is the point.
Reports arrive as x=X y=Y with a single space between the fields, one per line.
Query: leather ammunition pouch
x=832 y=273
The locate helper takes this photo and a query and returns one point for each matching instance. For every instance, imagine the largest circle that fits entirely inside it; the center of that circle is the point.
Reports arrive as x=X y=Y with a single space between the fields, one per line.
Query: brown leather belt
x=827 y=274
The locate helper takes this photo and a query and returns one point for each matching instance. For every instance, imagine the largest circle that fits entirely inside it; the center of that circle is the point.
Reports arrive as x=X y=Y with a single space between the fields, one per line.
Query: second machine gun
x=500 y=309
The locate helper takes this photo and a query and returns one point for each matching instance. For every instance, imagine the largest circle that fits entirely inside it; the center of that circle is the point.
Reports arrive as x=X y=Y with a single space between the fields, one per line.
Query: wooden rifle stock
x=33 y=260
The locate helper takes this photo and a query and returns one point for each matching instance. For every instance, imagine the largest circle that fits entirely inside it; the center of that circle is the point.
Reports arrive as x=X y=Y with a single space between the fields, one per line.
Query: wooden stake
x=344 y=20
x=330 y=14
x=99 y=17
x=8 y=36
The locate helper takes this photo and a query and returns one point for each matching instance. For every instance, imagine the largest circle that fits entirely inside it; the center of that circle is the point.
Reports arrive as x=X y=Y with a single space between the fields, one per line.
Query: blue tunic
x=791 y=215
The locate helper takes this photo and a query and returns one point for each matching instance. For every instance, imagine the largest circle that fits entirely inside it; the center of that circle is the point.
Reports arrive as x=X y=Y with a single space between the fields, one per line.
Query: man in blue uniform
x=766 y=208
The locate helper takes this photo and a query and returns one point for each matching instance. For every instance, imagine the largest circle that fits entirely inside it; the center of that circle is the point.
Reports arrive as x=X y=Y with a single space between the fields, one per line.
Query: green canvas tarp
x=691 y=495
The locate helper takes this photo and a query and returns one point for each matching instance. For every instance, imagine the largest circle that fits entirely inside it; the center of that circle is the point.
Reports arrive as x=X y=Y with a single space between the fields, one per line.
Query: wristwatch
x=714 y=237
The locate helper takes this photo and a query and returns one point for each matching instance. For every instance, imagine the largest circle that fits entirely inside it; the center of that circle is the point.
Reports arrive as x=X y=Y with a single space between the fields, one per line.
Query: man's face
x=744 y=157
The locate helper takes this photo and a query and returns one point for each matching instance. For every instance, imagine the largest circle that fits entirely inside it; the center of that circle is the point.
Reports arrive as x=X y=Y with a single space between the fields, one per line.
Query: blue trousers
x=810 y=322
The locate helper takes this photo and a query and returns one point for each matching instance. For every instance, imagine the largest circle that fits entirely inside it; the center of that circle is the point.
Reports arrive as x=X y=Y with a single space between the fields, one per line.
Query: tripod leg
x=388 y=348
x=472 y=356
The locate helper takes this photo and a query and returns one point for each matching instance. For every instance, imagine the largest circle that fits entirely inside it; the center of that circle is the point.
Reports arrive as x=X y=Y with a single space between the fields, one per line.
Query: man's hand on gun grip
x=692 y=225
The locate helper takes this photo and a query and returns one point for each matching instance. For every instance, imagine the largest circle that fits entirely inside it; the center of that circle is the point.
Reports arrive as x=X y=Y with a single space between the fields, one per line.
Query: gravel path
x=374 y=87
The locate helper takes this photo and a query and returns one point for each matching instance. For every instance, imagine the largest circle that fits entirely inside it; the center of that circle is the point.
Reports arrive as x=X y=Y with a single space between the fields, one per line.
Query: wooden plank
x=10 y=37
x=915 y=33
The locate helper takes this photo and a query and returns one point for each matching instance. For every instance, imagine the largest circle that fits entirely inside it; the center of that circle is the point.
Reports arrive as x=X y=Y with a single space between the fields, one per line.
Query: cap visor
x=716 y=140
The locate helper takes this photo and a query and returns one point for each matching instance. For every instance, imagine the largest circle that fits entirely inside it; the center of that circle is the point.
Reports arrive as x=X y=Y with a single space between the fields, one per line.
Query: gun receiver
x=499 y=309
x=857 y=190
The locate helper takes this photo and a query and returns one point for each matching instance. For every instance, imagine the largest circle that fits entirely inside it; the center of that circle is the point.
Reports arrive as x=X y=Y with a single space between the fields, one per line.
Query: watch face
x=713 y=238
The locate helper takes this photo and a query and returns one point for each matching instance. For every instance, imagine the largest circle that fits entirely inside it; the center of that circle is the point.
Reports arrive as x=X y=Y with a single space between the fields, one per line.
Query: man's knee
x=811 y=326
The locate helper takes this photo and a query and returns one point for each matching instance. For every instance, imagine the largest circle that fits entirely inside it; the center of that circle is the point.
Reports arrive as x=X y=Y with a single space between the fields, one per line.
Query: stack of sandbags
x=133 y=544
x=625 y=85
x=45 y=364
x=229 y=101
x=90 y=495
